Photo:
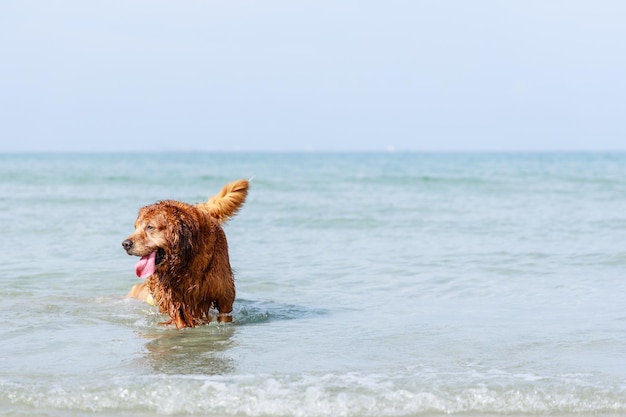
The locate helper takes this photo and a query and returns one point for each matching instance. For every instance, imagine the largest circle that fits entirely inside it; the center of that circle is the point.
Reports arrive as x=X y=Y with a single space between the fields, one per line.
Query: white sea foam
x=309 y=395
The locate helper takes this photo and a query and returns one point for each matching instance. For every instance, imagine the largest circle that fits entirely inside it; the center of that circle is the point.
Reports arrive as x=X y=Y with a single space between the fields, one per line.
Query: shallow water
x=368 y=285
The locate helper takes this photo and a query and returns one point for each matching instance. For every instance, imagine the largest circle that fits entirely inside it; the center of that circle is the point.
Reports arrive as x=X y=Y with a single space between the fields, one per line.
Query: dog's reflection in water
x=198 y=351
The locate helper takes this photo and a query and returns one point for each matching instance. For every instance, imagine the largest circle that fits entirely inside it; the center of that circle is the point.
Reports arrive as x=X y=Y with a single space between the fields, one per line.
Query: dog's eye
x=149 y=228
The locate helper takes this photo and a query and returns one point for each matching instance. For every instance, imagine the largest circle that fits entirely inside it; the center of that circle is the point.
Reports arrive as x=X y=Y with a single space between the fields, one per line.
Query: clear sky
x=294 y=75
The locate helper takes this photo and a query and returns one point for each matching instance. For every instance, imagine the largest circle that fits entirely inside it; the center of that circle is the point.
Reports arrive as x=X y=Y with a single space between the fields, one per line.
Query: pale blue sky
x=312 y=75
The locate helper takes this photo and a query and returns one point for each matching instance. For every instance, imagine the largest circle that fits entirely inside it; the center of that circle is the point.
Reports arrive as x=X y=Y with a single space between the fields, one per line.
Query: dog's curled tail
x=227 y=202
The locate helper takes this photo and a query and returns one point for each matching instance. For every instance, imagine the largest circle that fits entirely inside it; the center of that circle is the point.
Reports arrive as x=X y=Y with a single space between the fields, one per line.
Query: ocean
x=368 y=284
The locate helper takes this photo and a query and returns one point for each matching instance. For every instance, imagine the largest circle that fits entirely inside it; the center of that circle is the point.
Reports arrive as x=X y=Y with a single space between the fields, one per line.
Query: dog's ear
x=182 y=234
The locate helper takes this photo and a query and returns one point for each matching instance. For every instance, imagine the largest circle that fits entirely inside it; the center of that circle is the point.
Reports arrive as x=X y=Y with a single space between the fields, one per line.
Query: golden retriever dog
x=184 y=257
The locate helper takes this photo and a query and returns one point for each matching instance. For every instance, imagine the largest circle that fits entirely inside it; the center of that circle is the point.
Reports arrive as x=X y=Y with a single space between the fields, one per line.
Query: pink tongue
x=146 y=266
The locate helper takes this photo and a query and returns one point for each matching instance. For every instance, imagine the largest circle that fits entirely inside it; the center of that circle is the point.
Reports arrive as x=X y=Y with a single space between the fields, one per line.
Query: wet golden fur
x=193 y=272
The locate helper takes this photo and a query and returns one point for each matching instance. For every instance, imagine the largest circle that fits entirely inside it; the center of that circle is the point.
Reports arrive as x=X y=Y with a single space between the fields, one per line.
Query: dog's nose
x=127 y=244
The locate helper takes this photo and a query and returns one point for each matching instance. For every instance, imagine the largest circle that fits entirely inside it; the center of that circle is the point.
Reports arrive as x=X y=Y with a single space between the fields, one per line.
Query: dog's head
x=162 y=229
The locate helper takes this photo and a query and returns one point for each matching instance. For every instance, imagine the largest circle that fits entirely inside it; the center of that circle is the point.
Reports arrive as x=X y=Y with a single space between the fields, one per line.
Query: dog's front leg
x=225 y=311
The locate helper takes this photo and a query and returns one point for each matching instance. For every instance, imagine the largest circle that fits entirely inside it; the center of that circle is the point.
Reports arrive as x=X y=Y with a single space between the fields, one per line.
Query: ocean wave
x=350 y=394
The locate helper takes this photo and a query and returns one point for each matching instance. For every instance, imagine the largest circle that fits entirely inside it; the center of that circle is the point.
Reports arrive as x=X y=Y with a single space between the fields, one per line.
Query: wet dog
x=184 y=257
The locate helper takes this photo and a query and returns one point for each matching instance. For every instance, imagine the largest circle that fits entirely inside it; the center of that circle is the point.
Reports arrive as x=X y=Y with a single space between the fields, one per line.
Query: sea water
x=369 y=284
